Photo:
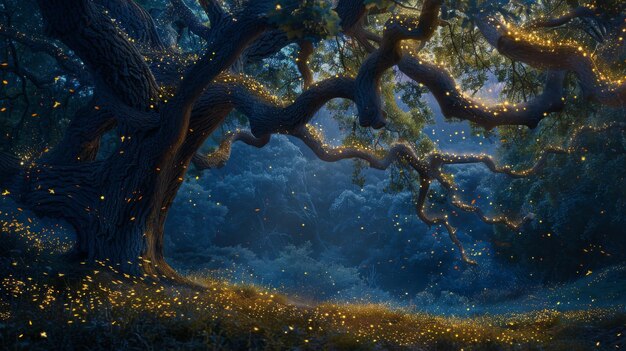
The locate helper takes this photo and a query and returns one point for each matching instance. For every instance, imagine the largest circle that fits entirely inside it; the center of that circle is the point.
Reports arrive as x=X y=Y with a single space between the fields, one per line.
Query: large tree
x=164 y=102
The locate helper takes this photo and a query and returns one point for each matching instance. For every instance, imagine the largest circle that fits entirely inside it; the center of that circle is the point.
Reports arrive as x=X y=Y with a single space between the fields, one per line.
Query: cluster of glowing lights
x=100 y=295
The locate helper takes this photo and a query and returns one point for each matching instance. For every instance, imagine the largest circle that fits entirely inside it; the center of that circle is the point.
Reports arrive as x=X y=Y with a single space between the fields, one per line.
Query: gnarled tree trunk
x=119 y=205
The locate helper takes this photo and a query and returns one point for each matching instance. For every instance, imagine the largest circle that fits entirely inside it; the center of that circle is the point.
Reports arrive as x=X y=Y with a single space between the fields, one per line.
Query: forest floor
x=45 y=304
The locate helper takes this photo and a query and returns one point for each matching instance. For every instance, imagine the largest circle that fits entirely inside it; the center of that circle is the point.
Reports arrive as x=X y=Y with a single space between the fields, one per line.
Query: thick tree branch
x=214 y=11
x=81 y=141
x=454 y=103
x=265 y=113
x=517 y=45
x=116 y=64
x=577 y=12
x=226 y=43
x=302 y=61
x=36 y=44
x=398 y=28
x=267 y=44
x=221 y=155
x=135 y=21
x=267 y=118
x=191 y=20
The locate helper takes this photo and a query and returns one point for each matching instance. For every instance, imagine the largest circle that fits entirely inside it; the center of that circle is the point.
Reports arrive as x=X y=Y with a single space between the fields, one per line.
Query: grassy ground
x=46 y=304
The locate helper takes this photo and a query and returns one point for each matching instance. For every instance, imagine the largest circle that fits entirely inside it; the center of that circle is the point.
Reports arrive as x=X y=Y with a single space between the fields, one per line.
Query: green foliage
x=378 y=4
x=578 y=201
x=357 y=174
x=312 y=20
x=34 y=108
x=466 y=9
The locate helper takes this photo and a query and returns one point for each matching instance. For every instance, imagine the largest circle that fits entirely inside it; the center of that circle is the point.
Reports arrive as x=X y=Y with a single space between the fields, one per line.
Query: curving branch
x=9 y=165
x=267 y=44
x=572 y=145
x=135 y=21
x=221 y=155
x=400 y=152
x=398 y=28
x=118 y=67
x=268 y=115
x=66 y=61
x=454 y=195
x=420 y=206
x=214 y=11
x=302 y=61
x=454 y=103
x=577 y=12
x=25 y=73
x=429 y=167
x=517 y=45
x=191 y=20
x=81 y=140
x=226 y=43
x=381 y=160
x=538 y=165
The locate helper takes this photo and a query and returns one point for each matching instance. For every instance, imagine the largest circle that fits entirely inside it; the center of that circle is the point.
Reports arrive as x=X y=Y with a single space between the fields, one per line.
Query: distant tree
x=164 y=91
x=578 y=202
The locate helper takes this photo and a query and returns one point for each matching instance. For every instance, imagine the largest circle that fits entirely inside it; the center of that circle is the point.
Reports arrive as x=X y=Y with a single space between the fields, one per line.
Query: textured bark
x=81 y=141
x=36 y=44
x=351 y=12
x=266 y=45
x=190 y=19
x=9 y=165
x=119 y=205
x=302 y=62
x=454 y=103
x=115 y=62
x=214 y=10
x=577 y=12
x=135 y=21
x=517 y=47
x=388 y=55
x=109 y=205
